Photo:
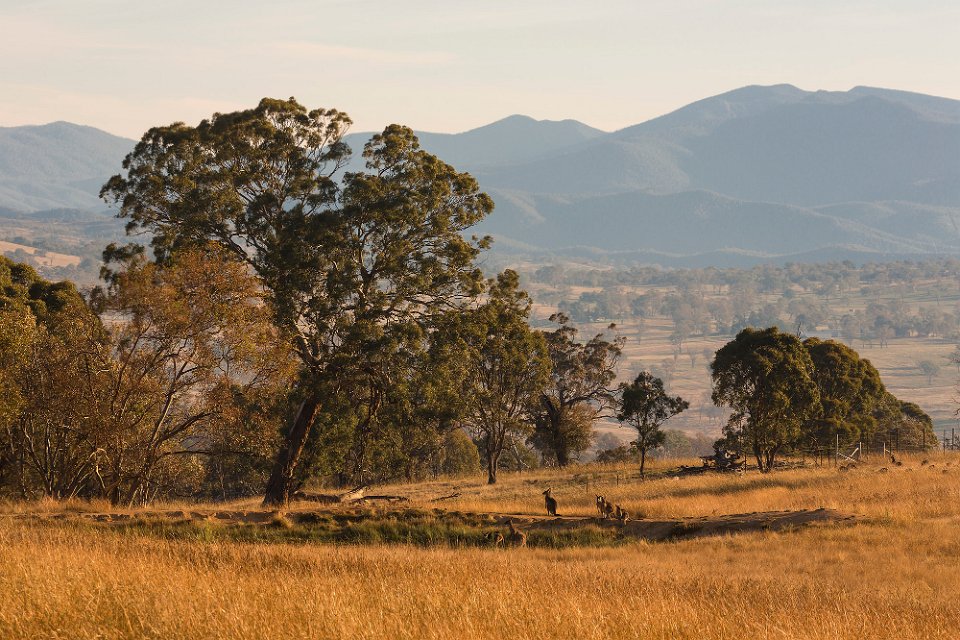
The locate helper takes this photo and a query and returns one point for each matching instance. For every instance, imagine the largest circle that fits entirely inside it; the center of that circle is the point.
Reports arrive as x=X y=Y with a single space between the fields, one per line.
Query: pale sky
x=126 y=65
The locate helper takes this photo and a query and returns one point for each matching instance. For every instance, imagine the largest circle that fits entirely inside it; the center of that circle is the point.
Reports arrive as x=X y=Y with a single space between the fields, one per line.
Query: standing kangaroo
x=600 y=502
x=550 y=502
x=516 y=537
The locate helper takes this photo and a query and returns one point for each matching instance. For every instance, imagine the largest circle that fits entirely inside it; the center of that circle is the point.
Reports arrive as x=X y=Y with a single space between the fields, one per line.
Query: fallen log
x=449 y=497
x=381 y=498
x=326 y=498
x=353 y=495
x=323 y=498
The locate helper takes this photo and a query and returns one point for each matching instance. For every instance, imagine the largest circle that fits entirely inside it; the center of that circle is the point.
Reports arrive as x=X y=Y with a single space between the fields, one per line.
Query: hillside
x=512 y=140
x=57 y=165
x=777 y=144
x=756 y=174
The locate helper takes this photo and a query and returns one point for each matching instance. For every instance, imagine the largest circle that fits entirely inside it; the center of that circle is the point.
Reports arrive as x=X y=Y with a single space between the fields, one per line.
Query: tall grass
x=893 y=575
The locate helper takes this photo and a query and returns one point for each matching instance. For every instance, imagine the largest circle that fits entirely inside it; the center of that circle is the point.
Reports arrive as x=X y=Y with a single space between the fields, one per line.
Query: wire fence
x=840 y=454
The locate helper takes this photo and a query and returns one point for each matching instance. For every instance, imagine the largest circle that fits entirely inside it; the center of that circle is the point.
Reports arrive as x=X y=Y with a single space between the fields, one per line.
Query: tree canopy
x=577 y=392
x=645 y=406
x=766 y=377
x=506 y=367
x=354 y=266
x=850 y=391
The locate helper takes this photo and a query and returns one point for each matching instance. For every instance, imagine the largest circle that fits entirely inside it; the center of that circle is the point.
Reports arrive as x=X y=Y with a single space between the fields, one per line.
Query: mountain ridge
x=756 y=171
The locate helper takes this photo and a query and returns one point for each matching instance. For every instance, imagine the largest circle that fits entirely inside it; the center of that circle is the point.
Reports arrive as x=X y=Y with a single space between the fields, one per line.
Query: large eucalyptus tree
x=354 y=265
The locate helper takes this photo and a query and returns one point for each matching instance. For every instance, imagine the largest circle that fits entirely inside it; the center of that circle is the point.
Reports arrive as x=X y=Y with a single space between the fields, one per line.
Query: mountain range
x=756 y=174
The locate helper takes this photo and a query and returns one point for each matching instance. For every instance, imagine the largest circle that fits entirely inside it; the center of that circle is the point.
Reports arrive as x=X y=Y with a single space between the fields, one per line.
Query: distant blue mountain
x=753 y=174
x=57 y=165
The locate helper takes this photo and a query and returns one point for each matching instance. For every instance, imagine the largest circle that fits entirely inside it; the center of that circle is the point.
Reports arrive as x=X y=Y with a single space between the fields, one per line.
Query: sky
x=452 y=65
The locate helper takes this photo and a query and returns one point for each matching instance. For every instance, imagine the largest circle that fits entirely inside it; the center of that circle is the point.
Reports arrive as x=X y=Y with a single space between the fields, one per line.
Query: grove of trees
x=787 y=394
x=292 y=321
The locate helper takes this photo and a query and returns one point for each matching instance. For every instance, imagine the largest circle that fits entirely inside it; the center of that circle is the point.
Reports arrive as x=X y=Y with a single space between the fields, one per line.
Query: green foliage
x=902 y=425
x=577 y=391
x=506 y=366
x=618 y=455
x=50 y=345
x=354 y=272
x=766 y=377
x=850 y=391
x=785 y=393
x=459 y=455
x=517 y=454
x=645 y=406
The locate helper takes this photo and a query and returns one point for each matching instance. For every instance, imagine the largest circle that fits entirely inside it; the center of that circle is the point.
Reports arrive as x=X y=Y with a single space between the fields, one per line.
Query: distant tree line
x=696 y=307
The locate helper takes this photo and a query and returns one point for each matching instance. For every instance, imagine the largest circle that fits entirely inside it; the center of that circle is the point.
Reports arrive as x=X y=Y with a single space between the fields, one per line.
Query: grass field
x=893 y=572
x=42 y=258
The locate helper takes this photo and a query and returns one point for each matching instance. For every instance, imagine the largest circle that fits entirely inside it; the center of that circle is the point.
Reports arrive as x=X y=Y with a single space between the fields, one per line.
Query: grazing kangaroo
x=622 y=515
x=550 y=502
x=600 y=502
x=494 y=537
x=516 y=537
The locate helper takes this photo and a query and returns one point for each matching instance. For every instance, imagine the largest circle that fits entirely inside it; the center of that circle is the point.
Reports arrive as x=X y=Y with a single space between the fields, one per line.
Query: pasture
x=885 y=564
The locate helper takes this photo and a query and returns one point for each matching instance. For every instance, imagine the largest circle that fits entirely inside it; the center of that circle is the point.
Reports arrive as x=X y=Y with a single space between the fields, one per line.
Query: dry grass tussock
x=894 y=575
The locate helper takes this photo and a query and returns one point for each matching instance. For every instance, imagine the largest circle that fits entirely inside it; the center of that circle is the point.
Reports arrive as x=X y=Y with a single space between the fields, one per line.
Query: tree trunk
x=563 y=452
x=280 y=484
x=492 y=459
x=759 y=455
x=643 y=461
x=556 y=436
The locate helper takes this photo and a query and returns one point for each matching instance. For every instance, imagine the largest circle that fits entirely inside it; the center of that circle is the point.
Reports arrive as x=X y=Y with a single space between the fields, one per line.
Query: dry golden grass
x=908 y=492
x=43 y=258
x=894 y=575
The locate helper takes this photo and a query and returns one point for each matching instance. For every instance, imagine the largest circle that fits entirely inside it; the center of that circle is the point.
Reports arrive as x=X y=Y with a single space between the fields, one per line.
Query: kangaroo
x=607 y=510
x=622 y=515
x=550 y=502
x=600 y=502
x=494 y=537
x=516 y=537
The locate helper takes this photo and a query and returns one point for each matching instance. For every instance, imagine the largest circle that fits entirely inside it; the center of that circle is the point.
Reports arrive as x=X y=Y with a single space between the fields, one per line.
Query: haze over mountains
x=756 y=174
